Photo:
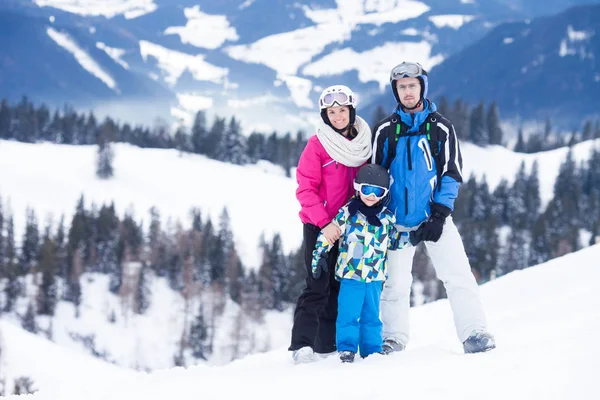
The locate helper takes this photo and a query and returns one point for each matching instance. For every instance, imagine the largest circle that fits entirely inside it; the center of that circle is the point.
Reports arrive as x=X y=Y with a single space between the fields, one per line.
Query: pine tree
x=256 y=147
x=516 y=206
x=515 y=256
x=5 y=119
x=479 y=134
x=520 y=146
x=104 y=160
x=547 y=130
x=587 y=131
x=13 y=288
x=233 y=147
x=379 y=115
x=460 y=113
x=493 y=125
x=31 y=243
x=28 y=321
x=183 y=141
x=48 y=265
x=199 y=335
x=199 y=133
x=217 y=131
x=143 y=293
x=279 y=274
x=499 y=202
x=443 y=107
x=532 y=196
x=224 y=247
x=266 y=284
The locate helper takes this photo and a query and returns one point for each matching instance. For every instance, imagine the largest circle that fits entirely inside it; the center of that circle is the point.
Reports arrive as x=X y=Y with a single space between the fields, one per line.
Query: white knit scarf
x=351 y=153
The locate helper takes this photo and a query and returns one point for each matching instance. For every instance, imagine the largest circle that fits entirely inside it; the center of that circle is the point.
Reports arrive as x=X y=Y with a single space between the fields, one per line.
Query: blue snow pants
x=358 y=325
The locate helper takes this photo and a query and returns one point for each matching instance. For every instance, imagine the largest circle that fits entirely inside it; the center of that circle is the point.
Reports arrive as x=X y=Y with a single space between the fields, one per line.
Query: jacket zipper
x=408 y=153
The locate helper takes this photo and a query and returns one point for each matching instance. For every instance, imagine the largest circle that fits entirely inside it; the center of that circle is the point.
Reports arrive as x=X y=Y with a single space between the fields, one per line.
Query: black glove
x=322 y=266
x=414 y=237
x=433 y=227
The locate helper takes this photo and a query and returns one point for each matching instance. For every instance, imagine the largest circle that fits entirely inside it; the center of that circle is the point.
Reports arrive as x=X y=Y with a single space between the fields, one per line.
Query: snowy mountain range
x=264 y=61
x=544 y=319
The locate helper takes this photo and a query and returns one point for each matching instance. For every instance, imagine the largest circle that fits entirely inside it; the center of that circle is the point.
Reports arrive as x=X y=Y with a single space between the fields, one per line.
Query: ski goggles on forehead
x=411 y=70
x=341 y=98
x=368 y=190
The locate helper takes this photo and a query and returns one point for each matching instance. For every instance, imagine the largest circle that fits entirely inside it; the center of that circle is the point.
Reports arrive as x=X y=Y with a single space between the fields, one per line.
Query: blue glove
x=322 y=266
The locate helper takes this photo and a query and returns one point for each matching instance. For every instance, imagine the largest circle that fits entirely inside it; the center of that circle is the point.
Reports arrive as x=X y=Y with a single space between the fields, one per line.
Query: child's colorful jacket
x=363 y=247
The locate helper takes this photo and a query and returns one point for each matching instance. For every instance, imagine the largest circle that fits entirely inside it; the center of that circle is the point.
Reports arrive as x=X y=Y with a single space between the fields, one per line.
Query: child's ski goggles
x=406 y=69
x=368 y=190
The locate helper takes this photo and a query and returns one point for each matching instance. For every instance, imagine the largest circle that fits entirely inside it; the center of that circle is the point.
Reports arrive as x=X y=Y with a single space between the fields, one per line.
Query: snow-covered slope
x=545 y=320
x=259 y=198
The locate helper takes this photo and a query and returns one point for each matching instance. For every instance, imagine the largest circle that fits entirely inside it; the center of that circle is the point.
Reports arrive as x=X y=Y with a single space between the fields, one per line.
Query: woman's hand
x=331 y=232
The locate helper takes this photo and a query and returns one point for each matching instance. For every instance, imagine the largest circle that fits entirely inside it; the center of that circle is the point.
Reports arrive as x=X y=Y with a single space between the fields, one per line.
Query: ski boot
x=479 y=342
x=347 y=356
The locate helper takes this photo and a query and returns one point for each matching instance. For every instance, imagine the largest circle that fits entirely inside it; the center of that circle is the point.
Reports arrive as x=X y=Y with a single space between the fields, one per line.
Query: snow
x=451 y=21
x=114 y=53
x=570 y=46
x=544 y=319
x=83 y=58
x=373 y=64
x=286 y=52
x=194 y=102
x=204 y=30
x=376 y=12
x=108 y=8
x=173 y=63
x=409 y=32
x=299 y=88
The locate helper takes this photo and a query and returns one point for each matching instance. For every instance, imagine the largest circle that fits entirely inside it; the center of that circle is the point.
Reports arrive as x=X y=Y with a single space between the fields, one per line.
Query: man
x=420 y=148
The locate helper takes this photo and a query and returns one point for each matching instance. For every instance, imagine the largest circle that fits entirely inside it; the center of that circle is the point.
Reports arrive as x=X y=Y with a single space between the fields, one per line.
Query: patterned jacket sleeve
x=398 y=240
x=451 y=165
x=322 y=246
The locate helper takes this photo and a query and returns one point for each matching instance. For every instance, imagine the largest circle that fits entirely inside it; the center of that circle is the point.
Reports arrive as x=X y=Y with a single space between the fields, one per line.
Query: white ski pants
x=452 y=268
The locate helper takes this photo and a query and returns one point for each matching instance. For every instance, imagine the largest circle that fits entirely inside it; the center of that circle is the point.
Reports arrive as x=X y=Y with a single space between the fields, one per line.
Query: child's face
x=369 y=200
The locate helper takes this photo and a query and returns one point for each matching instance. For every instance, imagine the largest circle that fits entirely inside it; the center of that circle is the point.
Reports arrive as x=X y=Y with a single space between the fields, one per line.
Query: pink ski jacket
x=324 y=185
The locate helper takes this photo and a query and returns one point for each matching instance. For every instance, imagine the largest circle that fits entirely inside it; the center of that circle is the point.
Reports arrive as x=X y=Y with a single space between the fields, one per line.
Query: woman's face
x=339 y=116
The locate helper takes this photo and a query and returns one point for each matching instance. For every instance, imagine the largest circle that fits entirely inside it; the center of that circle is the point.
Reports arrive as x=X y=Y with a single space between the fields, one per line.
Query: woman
x=325 y=175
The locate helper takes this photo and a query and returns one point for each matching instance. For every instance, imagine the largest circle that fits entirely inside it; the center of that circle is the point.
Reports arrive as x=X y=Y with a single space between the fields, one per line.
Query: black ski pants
x=316 y=307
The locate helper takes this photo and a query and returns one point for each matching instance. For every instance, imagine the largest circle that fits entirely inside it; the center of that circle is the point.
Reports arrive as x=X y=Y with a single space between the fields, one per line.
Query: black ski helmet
x=373 y=174
x=410 y=70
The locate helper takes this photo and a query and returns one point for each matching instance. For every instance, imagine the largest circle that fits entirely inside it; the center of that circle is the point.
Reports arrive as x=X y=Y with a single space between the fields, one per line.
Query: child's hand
x=331 y=232
x=321 y=267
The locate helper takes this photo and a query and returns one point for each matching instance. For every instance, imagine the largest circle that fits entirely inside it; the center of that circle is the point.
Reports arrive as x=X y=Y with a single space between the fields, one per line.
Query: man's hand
x=321 y=267
x=434 y=226
x=331 y=232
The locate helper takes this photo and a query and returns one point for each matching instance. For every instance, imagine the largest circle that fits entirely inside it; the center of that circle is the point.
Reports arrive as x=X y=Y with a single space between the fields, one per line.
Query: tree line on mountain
x=224 y=140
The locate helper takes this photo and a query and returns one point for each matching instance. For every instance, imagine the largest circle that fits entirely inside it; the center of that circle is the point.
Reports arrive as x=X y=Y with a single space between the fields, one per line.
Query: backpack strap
x=396 y=128
x=434 y=144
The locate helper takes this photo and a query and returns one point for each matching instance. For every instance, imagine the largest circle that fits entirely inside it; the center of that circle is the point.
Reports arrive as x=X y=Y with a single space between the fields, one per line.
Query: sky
x=545 y=320
x=259 y=198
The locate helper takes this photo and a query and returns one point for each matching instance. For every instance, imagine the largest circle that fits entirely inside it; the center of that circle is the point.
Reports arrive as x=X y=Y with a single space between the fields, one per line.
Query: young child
x=368 y=232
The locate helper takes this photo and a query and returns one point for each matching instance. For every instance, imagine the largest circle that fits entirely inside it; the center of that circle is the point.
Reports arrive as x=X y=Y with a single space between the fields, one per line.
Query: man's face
x=409 y=91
